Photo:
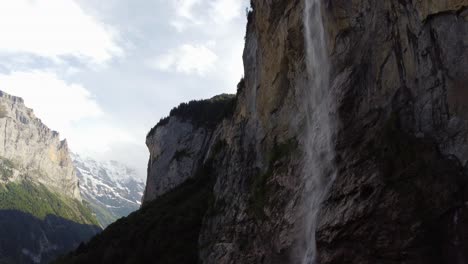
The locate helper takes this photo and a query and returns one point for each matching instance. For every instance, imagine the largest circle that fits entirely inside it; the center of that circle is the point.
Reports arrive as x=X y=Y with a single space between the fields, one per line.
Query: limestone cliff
x=41 y=212
x=397 y=82
x=179 y=143
x=398 y=71
x=36 y=150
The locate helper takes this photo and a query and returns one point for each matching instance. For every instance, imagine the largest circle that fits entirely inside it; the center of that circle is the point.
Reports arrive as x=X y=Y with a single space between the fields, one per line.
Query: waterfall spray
x=319 y=168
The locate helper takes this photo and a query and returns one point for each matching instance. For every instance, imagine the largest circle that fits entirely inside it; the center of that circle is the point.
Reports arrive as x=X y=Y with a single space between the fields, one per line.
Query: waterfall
x=319 y=169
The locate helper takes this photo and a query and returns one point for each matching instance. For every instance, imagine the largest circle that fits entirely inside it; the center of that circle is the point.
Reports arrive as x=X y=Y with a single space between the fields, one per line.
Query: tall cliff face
x=398 y=75
x=399 y=71
x=36 y=149
x=41 y=212
x=179 y=143
x=397 y=82
x=176 y=151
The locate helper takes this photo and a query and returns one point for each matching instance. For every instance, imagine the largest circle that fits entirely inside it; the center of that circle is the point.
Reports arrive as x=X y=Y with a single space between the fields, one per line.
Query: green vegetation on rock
x=40 y=202
x=7 y=168
x=165 y=230
x=103 y=215
x=202 y=112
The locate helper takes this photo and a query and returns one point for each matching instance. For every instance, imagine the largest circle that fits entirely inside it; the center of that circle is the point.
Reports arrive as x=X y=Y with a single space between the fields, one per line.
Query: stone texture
x=398 y=79
x=36 y=150
x=402 y=140
x=176 y=151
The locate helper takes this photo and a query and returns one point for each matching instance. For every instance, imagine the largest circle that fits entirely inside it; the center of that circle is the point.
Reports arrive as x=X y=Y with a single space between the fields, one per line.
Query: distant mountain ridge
x=42 y=214
x=112 y=189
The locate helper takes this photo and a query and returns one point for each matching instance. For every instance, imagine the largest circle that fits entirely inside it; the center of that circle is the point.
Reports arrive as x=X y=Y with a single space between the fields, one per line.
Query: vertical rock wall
x=36 y=151
x=398 y=78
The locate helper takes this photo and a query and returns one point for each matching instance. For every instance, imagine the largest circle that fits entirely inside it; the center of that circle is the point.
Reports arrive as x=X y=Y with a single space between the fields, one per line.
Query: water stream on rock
x=319 y=168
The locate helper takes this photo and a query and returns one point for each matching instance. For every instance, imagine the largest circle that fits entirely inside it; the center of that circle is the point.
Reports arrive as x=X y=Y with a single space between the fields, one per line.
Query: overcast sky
x=103 y=72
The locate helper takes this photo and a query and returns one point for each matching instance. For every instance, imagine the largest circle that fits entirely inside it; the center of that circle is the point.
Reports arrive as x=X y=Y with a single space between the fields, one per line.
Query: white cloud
x=184 y=14
x=200 y=13
x=223 y=11
x=51 y=98
x=185 y=8
x=200 y=38
x=68 y=108
x=187 y=59
x=53 y=29
x=199 y=20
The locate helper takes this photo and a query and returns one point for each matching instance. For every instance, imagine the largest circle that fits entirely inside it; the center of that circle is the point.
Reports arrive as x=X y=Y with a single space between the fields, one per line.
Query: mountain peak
x=112 y=188
x=12 y=98
x=37 y=149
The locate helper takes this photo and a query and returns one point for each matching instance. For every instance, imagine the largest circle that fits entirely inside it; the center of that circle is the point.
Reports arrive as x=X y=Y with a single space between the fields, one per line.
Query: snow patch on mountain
x=112 y=189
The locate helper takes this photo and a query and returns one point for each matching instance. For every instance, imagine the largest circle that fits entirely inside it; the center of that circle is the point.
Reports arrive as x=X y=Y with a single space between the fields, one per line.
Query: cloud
x=190 y=49
x=50 y=97
x=55 y=29
x=198 y=21
x=223 y=11
x=187 y=59
x=185 y=8
x=199 y=13
x=68 y=108
x=184 y=14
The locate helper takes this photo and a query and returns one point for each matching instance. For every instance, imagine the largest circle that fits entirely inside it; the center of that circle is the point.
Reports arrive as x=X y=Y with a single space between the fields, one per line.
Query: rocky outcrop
x=179 y=143
x=397 y=80
x=37 y=151
x=41 y=211
x=176 y=151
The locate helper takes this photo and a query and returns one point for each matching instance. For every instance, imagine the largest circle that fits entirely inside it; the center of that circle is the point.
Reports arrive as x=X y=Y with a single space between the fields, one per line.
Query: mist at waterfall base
x=319 y=169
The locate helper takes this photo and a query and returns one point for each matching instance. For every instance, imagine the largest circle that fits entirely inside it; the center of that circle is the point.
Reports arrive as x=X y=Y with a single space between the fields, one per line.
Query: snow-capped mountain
x=111 y=188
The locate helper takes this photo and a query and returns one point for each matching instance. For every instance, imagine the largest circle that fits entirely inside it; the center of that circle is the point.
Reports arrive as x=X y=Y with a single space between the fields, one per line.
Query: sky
x=102 y=73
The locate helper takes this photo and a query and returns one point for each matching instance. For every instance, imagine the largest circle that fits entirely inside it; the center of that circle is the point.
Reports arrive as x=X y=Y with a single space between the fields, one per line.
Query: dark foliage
x=163 y=231
x=22 y=232
x=250 y=12
x=202 y=112
x=240 y=86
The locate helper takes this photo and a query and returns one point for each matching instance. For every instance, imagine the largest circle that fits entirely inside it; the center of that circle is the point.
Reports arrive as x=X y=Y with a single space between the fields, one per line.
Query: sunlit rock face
x=179 y=144
x=37 y=150
x=41 y=212
x=176 y=151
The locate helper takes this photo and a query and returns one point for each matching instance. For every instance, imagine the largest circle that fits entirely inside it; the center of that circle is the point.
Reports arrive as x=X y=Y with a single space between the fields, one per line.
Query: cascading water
x=319 y=168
